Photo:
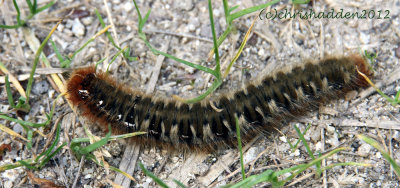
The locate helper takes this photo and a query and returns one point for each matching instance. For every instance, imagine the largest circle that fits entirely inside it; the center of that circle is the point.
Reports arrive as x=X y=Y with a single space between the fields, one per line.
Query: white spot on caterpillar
x=153 y=132
x=325 y=86
x=174 y=133
x=346 y=77
x=130 y=125
x=314 y=88
x=137 y=120
x=208 y=135
x=272 y=106
x=184 y=136
x=258 y=109
x=226 y=124
x=99 y=103
x=145 y=125
x=195 y=139
x=83 y=91
x=287 y=96
x=163 y=137
x=300 y=93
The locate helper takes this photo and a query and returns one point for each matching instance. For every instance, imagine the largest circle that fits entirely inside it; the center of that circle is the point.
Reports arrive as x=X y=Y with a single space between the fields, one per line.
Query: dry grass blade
x=44 y=183
x=13 y=80
x=11 y=132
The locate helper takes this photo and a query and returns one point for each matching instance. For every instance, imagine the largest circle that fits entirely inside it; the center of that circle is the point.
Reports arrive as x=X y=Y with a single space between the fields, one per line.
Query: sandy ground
x=182 y=29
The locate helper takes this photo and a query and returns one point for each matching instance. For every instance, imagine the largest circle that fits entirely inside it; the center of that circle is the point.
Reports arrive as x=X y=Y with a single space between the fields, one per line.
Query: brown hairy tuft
x=363 y=67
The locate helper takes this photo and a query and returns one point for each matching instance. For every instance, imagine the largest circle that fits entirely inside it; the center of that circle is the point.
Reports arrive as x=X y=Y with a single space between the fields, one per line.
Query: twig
x=79 y=172
x=150 y=31
x=156 y=69
x=128 y=164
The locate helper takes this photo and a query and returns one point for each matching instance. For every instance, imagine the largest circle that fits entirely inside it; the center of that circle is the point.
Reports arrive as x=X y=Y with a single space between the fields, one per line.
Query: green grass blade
x=240 y=147
x=180 y=184
x=196 y=66
x=294 y=147
x=35 y=62
x=44 y=7
x=302 y=167
x=310 y=153
x=122 y=172
x=233 y=8
x=30 y=5
x=27 y=165
x=35 y=6
x=24 y=123
x=141 y=25
x=114 y=137
x=19 y=23
x=217 y=67
x=266 y=176
x=99 y=62
x=137 y=10
x=211 y=89
x=103 y=25
x=10 y=166
x=250 y=10
x=47 y=159
x=115 y=57
x=242 y=45
x=29 y=137
x=346 y=164
x=9 y=93
x=224 y=35
x=301 y=137
x=58 y=54
x=152 y=176
x=55 y=142
x=9 y=26
x=396 y=99
x=384 y=153
x=96 y=145
x=300 y=1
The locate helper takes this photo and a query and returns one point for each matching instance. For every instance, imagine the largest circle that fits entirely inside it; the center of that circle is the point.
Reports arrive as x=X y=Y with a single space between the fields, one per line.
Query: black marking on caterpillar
x=259 y=106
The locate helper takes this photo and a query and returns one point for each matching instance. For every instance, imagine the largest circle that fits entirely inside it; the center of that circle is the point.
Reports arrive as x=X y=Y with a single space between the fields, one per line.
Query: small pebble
x=296 y=153
x=18 y=128
x=318 y=146
x=40 y=87
x=315 y=134
x=334 y=141
x=364 y=150
x=397 y=51
x=396 y=135
x=8 y=184
x=77 y=28
x=283 y=139
x=4 y=108
x=128 y=6
x=184 y=5
x=330 y=129
x=364 y=38
x=87 y=20
x=88 y=176
x=250 y=155
x=378 y=155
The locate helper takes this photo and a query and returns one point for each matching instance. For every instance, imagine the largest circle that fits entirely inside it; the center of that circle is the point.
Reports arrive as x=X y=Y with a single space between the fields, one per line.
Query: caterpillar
x=266 y=103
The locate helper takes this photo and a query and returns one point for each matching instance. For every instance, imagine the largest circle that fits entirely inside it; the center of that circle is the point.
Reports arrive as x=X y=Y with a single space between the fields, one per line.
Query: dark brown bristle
x=260 y=106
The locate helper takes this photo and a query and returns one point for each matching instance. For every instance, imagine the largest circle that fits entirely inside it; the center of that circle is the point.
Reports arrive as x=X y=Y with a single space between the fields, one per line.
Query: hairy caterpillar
x=261 y=105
